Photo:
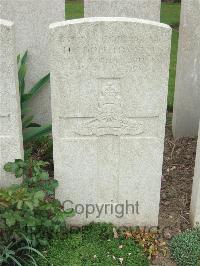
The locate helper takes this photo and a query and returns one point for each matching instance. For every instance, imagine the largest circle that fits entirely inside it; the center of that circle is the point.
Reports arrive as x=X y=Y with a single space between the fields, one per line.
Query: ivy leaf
x=10 y=167
x=19 y=173
x=44 y=176
x=39 y=195
x=20 y=163
x=31 y=221
x=19 y=204
x=29 y=205
x=10 y=221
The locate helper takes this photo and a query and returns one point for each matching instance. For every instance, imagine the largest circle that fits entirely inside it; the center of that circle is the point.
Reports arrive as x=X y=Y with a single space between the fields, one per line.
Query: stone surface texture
x=10 y=116
x=32 y=19
x=195 y=203
x=109 y=95
x=143 y=9
x=187 y=94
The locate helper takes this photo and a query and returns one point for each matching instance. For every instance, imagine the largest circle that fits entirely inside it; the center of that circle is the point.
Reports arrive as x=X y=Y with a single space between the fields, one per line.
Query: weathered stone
x=195 y=203
x=109 y=95
x=187 y=94
x=143 y=9
x=10 y=116
x=32 y=19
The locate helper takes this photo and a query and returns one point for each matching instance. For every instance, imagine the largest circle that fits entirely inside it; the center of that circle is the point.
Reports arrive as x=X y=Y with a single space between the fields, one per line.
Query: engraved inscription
x=110 y=119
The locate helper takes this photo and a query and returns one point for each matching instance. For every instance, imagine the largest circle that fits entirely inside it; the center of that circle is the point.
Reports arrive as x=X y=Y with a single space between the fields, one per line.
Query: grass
x=94 y=245
x=172 y=69
x=185 y=248
x=170 y=14
x=74 y=9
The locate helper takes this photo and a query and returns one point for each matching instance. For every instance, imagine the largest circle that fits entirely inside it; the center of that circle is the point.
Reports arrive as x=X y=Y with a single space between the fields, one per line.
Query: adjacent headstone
x=195 y=203
x=187 y=94
x=109 y=94
x=143 y=9
x=10 y=116
x=32 y=19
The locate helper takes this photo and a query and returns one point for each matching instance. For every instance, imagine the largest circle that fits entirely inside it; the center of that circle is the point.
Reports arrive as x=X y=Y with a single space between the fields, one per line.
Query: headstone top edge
x=108 y=19
x=6 y=23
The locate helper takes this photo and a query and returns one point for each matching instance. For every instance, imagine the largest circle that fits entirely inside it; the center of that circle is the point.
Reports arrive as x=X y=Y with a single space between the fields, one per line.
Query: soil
x=178 y=171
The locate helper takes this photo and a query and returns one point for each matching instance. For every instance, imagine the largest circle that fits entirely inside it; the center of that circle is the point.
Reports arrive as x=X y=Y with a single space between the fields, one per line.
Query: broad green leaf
x=21 y=73
x=21 y=88
x=20 y=162
x=36 y=132
x=39 y=85
x=34 y=125
x=24 y=57
x=25 y=109
x=27 y=121
x=19 y=204
x=24 y=105
x=18 y=58
x=26 y=97
x=10 y=221
x=29 y=205
x=10 y=167
x=44 y=176
x=19 y=173
x=35 y=89
x=39 y=195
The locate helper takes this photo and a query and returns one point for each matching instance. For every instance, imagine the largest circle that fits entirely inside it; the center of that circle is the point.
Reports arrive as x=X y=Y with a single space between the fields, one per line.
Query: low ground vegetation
x=29 y=213
x=185 y=248
x=94 y=245
x=31 y=130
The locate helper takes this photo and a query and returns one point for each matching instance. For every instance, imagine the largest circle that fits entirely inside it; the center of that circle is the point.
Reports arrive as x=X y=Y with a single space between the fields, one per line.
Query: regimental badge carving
x=110 y=119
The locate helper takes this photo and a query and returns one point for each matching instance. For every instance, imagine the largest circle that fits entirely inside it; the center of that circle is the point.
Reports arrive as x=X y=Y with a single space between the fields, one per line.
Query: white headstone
x=195 y=203
x=10 y=115
x=144 y=9
x=187 y=94
x=32 y=19
x=109 y=89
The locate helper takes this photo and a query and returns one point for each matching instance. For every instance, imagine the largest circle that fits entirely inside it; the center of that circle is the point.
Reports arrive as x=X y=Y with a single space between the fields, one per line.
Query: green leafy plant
x=94 y=244
x=18 y=252
x=185 y=248
x=30 y=213
x=31 y=130
x=34 y=177
x=30 y=208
